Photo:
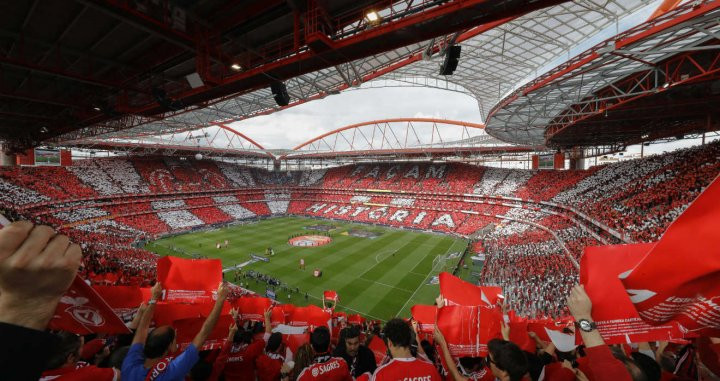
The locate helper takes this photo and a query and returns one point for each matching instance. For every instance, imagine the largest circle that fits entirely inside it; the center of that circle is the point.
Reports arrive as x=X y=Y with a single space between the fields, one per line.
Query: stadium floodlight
x=666 y=85
x=236 y=67
x=372 y=17
x=198 y=156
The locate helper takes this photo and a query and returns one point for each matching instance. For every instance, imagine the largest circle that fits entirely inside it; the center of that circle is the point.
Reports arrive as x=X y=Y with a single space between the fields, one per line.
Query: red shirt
x=269 y=366
x=332 y=369
x=406 y=369
x=484 y=374
x=557 y=372
x=240 y=364
x=89 y=373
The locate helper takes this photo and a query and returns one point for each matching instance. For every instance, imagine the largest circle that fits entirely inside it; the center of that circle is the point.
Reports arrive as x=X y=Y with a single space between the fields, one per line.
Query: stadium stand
x=159 y=85
x=151 y=197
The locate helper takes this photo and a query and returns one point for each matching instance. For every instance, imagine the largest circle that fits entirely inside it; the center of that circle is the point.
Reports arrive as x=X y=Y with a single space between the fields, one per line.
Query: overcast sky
x=293 y=126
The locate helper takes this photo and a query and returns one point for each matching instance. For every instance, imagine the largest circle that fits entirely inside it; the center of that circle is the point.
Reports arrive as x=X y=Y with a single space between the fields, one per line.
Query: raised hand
x=222 y=291
x=579 y=303
x=439 y=337
x=36 y=268
x=231 y=332
x=156 y=291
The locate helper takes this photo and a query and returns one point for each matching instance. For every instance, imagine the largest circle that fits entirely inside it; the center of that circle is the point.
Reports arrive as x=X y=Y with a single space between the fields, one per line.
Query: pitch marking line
x=384 y=284
x=421 y=284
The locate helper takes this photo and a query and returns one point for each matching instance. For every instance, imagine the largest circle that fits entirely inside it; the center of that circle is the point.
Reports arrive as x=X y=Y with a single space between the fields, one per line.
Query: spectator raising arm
x=147 y=315
x=452 y=366
x=36 y=268
x=268 y=322
x=138 y=315
x=207 y=327
x=600 y=360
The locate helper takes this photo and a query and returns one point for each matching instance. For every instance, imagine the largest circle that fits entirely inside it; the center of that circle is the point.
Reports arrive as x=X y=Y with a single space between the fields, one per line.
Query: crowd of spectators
x=533 y=270
x=339 y=349
x=127 y=200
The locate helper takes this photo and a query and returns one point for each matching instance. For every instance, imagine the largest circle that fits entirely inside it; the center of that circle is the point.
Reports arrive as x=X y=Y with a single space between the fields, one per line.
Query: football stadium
x=410 y=190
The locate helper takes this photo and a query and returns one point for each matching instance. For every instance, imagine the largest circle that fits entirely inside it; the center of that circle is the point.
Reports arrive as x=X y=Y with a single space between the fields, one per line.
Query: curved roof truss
x=403 y=137
x=646 y=60
x=216 y=141
x=501 y=59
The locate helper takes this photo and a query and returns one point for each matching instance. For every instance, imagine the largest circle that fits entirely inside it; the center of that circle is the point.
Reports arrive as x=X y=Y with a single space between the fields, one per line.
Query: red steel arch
x=240 y=134
x=393 y=120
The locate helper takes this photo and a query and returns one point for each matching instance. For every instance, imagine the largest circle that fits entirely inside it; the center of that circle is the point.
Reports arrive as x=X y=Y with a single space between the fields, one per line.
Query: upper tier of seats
x=124 y=199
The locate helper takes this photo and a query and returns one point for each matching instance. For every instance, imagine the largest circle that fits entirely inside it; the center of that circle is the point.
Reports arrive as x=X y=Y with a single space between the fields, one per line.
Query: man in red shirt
x=403 y=365
x=324 y=367
x=64 y=364
x=270 y=363
x=240 y=365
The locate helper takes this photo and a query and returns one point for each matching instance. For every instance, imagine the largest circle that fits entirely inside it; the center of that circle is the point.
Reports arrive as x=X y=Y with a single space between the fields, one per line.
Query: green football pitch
x=379 y=277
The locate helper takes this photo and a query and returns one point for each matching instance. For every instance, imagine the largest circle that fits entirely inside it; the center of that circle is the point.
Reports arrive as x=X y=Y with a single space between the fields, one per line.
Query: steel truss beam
x=641 y=62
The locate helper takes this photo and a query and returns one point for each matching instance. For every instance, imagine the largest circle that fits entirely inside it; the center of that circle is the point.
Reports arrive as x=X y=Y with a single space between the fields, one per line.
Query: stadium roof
x=387 y=139
x=497 y=57
x=657 y=79
x=86 y=68
x=66 y=92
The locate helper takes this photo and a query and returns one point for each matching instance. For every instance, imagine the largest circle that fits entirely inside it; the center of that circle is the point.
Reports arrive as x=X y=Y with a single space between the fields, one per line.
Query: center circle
x=309 y=240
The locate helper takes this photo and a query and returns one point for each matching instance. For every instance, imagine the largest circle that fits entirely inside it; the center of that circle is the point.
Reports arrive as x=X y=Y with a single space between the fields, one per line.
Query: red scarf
x=158 y=369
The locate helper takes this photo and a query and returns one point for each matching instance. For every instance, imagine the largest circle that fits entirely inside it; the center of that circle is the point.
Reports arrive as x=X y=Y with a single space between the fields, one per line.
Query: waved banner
x=252 y=308
x=167 y=313
x=295 y=341
x=356 y=319
x=187 y=329
x=468 y=329
x=378 y=348
x=189 y=280
x=519 y=335
x=617 y=320
x=309 y=316
x=678 y=280
x=331 y=295
x=124 y=300
x=81 y=310
x=456 y=291
x=425 y=316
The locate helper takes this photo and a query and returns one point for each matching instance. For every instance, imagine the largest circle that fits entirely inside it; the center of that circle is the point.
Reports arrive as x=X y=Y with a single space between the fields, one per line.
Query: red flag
x=296 y=341
x=678 y=279
x=539 y=329
x=277 y=317
x=331 y=295
x=356 y=319
x=456 y=291
x=340 y=315
x=187 y=329
x=252 y=308
x=312 y=316
x=467 y=329
x=81 y=310
x=189 y=280
x=124 y=300
x=618 y=321
x=167 y=313
x=379 y=349
x=425 y=316
x=519 y=335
